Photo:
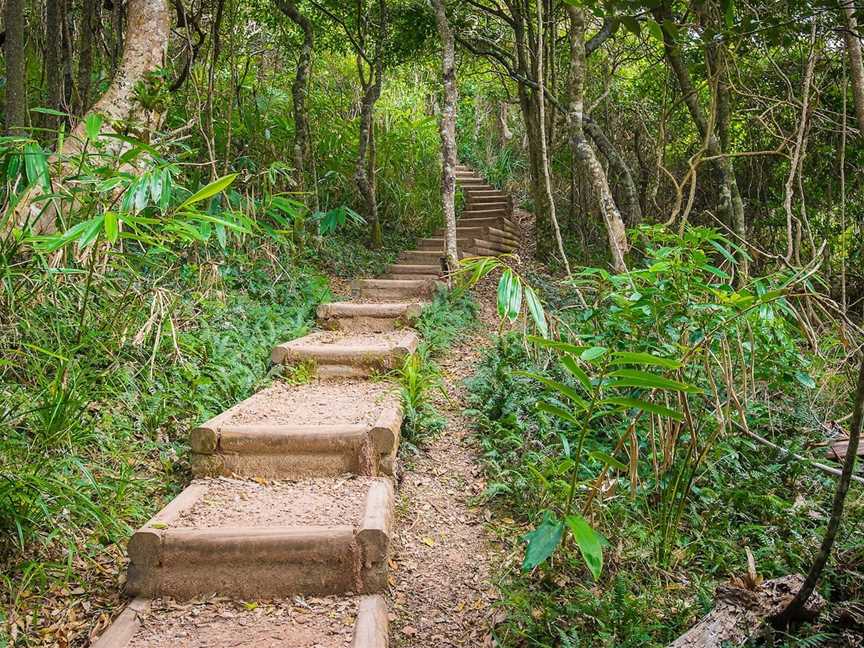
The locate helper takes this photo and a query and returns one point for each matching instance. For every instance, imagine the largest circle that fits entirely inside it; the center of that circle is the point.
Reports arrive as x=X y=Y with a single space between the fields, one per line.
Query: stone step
x=487 y=233
x=317 y=429
x=337 y=354
x=253 y=541
x=422 y=269
x=228 y=624
x=489 y=221
x=349 y=316
x=468 y=244
x=403 y=277
x=393 y=288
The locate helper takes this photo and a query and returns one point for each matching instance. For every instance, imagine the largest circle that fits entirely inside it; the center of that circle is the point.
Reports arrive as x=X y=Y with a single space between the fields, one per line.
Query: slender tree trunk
x=448 y=135
x=544 y=157
x=621 y=168
x=299 y=91
x=796 y=607
x=53 y=65
x=365 y=185
x=16 y=66
x=731 y=205
x=618 y=244
x=66 y=56
x=856 y=65
x=86 y=35
x=147 y=28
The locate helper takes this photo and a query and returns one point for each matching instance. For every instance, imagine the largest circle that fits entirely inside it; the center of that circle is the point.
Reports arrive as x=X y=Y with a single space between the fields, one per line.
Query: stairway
x=292 y=503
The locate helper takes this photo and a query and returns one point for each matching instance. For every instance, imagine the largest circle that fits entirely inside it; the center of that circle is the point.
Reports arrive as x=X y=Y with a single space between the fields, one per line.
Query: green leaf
x=654 y=408
x=593 y=353
x=573 y=367
x=655 y=30
x=589 y=543
x=210 y=190
x=535 y=308
x=92 y=125
x=36 y=165
x=509 y=295
x=635 y=357
x=560 y=412
x=609 y=460
x=805 y=379
x=636 y=378
x=564 y=390
x=112 y=228
x=555 y=344
x=542 y=541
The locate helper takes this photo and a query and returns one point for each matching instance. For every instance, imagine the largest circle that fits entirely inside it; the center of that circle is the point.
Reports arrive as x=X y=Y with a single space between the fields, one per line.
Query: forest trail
x=293 y=530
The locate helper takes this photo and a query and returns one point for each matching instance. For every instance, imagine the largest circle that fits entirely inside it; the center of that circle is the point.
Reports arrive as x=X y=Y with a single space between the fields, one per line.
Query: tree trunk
x=299 y=90
x=544 y=157
x=365 y=159
x=731 y=205
x=86 y=36
x=448 y=135
x=147 y=28
x=16 y=66
x=618 y=244
x=853 y=50
x=53 y=65
x=622 y=169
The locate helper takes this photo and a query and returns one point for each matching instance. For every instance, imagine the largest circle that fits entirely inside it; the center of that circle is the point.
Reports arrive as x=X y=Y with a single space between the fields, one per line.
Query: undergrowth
x=666 y=547
x=419 y=377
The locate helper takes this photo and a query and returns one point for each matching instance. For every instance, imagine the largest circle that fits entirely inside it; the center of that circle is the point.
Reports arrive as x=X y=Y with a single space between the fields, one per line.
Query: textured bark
x=364 y=171
x=448 y=134
x=299 y=91
x=731 y=205
x=633 y=211
x=53 y=65
x=544 y=158
x=853 y=51
x=147 y=30
x=740 y=614
x=13 y=49
x=86 y=36
x=617 y=234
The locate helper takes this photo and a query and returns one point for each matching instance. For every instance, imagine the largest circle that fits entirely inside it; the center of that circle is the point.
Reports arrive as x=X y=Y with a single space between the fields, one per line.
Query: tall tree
x=53 y=58
x=299 y=89
x=615 y=230
x=147 y=28
x=86 y=37
x=448 y=133
x=16 y=65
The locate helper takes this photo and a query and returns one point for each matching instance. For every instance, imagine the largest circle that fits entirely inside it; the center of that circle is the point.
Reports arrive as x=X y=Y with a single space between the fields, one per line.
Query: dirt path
x=441 y=592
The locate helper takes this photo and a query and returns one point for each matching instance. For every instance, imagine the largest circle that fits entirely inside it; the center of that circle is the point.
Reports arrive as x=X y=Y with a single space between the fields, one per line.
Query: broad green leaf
x=564 y=390
x=112 y=228
x=542 y=541
x=805 y=379
x=608 y=459
x=91 y=230
x=573 y=367
x=560 y=412
x=593 y=353
x=589 y=543
x=654 y=30
x=36 y=165
x=654 y=408
x=221 y=235
x=92 y=125
x=509 y=295
x=555 y=344
x=636 y=378
x=210 y=190
x=638 y=358
x=535 y=308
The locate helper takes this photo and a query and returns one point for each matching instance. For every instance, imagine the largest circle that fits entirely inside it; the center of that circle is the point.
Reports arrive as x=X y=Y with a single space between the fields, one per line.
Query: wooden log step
x=252 y=541
x=488 y=233
x=482 y=212
x=839 y=449
x=393 y=288
x=467 y=244
x=227 y=624
x=421 y=269
x=404 y=277
x=489 y=193
x=337 y=354
x=487 y=204
x=349 y=316
x=316 y=429
x=421 y=257
x=490 y=221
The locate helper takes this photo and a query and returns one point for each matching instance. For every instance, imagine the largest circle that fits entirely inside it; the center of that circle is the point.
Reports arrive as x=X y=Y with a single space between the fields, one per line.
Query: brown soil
x=219 y=623
x=442 y=594
x=310 y=502
x=316 y=403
